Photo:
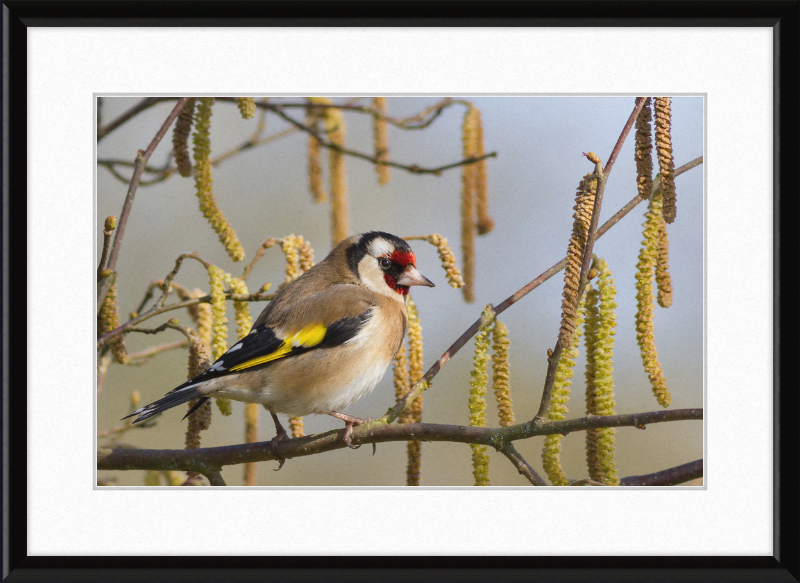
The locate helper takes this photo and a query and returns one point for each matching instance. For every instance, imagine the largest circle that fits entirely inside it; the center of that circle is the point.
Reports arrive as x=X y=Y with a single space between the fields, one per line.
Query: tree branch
x=591 y=237
x=215 y=479
x=141 y=161
x=144 y=104
x=669 y=477
x=212 y=459
x=424 y=382
x=522 y=466
x=413 y=168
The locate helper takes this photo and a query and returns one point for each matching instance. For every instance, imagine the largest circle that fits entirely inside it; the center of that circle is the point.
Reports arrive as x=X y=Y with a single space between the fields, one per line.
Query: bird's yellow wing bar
x=308 y=337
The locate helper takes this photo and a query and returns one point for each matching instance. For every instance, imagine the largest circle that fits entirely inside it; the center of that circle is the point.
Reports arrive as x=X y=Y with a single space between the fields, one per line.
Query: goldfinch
x=322 y=343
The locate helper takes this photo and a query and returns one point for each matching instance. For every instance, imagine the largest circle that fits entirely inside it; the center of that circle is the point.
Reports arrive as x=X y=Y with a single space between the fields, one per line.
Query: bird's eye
x=385 y=263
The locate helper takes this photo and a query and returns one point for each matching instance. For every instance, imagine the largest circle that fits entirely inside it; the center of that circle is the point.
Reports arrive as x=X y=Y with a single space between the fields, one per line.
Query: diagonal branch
x=522 y=466
x=591 y=237
x=424 y=382
x=141 y=161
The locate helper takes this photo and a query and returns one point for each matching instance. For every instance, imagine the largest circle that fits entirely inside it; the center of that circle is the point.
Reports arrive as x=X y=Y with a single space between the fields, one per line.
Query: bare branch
x=214 y=458
x=141 y=160
x=591 y=237
x=144 y=104
x=669 y=477
x=522 y=466
x=413 y=168
x=423 y=384
x=215 y=479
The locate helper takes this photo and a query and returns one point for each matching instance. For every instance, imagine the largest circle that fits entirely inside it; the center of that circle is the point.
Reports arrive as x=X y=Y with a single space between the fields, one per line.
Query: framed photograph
x=519 y=275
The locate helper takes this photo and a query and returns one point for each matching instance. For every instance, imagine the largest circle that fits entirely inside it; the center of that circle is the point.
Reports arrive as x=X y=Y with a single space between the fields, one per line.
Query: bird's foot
x=351 y=422
x=281 y=435
x=275 y=441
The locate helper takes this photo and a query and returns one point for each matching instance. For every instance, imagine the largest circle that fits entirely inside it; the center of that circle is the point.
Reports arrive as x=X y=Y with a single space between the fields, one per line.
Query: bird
x=322 y=343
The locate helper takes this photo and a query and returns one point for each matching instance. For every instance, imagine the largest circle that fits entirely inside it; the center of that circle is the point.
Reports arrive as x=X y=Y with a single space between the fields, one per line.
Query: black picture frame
x=782 y=16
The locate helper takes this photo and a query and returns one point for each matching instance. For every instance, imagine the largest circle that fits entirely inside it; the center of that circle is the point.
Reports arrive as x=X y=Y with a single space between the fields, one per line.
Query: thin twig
x=145 y=103
x=413 y=168
x=522 y=466
x=141 y=160
x=591 y=237
x=106 y=244
x=213 y=459
x=155 y=311
x=423 y=384
x=415 y=122
x=154 y=350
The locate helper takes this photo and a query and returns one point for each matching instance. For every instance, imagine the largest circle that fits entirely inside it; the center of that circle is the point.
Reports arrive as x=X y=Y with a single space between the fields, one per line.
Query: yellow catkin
x=152 y=478
x=400 y=375
x=204 y=180
x=448 y=260
x=173 y=478
x=663 y=114
x=250 y=436
x=600 y=328
x=108 y=319
x=247 y=106
x=296 y=426
x=203 y=318
x=477 y=401
x=335 y=130
x=289 y=245
x=219 y=324
x=242 y=309
x=200 y=420
x=643 y=150
x=379 y=134
x=413 y=414
x=663 y=278
x=315 y=157
x=306 y=260
x=469 y=140
x=551 y=452
x=199 y=359
x=200 y=313
x=299 y=259
x=584 y=205
x=136 y=396
x=485 y=222
x=500 y=376
x=645 y=329
x=180 y=137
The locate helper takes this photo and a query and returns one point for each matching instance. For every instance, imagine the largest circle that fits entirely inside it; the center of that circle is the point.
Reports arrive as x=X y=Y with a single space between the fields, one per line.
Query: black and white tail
x=175 y=397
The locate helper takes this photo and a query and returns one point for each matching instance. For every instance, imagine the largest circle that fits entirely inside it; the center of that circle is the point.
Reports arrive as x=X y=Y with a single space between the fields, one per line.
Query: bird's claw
x=281 y=436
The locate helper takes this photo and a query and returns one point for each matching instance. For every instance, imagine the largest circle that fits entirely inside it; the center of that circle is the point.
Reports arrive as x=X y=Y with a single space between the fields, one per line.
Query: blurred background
x=264 y=192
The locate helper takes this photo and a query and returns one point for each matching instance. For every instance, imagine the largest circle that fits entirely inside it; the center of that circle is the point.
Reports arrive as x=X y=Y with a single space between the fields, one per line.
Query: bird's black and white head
x=385 y=264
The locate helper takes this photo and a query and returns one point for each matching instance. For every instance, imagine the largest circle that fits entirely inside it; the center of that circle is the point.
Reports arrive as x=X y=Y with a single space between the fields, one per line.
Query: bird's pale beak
x=413 y=277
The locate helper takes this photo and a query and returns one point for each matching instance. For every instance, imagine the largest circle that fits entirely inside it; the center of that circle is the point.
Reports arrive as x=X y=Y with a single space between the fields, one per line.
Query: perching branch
x=212 y=459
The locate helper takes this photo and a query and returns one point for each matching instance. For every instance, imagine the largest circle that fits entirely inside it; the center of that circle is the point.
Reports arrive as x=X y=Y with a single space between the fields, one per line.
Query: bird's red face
x=386 y=264
x=399 y=261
